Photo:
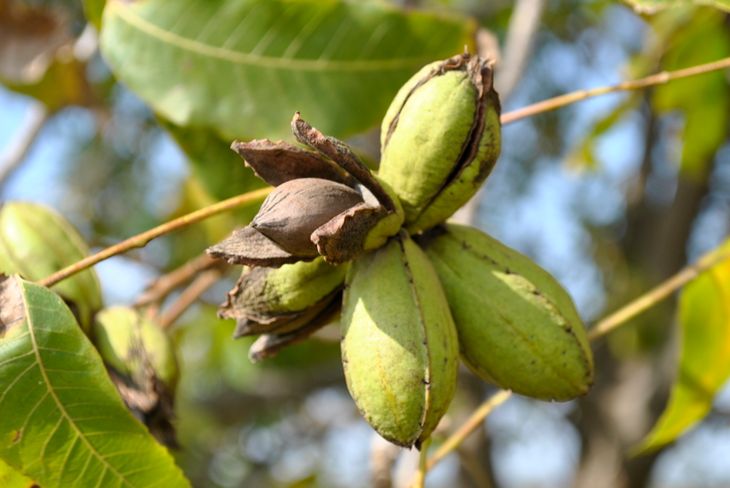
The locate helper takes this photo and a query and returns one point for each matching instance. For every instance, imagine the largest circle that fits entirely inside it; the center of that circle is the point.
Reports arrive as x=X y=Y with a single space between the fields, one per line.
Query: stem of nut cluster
x=471 y=424
x=419 y=480
x=163 y=285
x=658 y=293
x=189 y=296
x=141 y=240
x=653 y=80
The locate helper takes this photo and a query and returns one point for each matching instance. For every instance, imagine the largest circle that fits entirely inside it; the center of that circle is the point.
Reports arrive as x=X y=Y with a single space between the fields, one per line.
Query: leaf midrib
x=59 y=404
x=126 y=14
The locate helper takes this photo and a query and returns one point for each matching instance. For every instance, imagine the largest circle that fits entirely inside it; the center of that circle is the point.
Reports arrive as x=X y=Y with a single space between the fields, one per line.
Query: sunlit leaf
x=704 y=364
x=243 y=67
x=10 y=478
x=654 y=6
x=62 y=421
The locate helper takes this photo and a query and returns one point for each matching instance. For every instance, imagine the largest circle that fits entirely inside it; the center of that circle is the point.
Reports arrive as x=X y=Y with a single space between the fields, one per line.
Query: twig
x=658 y=293
x=140 y=240
x=472 y=423
x=166 y=283
x=189 y=295
x=655 y=79
x=419 y=480
x=23 y=142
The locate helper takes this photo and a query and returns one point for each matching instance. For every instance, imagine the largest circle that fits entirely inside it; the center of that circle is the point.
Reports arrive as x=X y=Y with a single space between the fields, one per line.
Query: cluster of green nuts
x=412 y=293
x=35 y=241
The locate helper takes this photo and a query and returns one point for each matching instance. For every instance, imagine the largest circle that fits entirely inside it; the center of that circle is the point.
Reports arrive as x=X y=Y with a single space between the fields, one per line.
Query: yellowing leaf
x=10 y=478
x=654 y=6
x=704 y=365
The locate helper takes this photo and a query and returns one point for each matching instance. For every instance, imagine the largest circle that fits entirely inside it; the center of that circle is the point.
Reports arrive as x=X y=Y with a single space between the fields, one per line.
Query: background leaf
x=242 y=68
x=703 y=100
x=63 y=422
x=37 y=59
x=704 y=365
x=653 y=6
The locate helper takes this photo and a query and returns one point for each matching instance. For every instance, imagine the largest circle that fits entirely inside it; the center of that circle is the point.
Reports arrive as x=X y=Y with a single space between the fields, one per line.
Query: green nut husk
x=281 y=300
x=440 y=139
x=133 y=346
x=399 y=345
x=518 y=328
x=141 y=362
x=35 y=242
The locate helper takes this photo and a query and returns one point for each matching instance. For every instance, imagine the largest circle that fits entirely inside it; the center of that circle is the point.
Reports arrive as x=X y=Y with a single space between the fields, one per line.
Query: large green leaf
x=654 y=6
x=243 y=67
x=704 y=365
x=62 y=421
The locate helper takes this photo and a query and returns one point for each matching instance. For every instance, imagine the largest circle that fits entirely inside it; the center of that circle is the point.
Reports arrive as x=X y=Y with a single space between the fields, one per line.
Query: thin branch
x=163 y=285
x=141 y=240
x=19 y=148
x=472 y=423
x=189 y=296
x=577 y=96
x=658 y=293
x=419 y=480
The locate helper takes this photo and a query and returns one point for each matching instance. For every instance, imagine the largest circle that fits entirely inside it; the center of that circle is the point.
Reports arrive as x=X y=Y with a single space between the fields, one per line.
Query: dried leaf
x=341 y=239
x=278 y=162
x=269 y=345
x=250 y=247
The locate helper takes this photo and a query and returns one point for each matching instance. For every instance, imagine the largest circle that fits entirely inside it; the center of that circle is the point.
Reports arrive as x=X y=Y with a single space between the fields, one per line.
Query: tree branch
x=523 y=25
x=163 y=285
x=189 y=296
x=577 y=96
x=658 y=293
x=23 y=142
x=141 y=240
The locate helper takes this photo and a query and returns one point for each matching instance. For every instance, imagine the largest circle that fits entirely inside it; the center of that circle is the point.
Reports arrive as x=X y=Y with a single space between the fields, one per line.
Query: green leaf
x=704 y=364
x=654 y=6
x=243 y=67
x=10 y=478
x=93 y=9
x=63 y=422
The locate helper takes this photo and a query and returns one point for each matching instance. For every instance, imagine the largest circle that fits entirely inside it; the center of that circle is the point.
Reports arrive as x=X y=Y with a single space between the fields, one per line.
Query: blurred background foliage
x=611 y=195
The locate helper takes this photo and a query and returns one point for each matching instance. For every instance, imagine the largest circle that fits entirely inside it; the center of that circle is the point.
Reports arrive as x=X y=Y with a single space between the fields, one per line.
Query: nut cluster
x=412 y=294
